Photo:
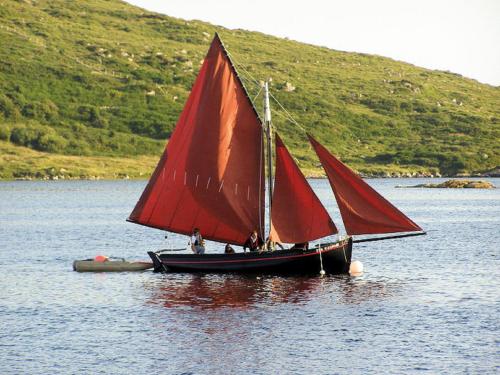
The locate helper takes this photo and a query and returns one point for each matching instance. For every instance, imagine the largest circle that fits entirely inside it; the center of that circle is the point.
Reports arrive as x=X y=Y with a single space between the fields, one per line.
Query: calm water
x=425 y=304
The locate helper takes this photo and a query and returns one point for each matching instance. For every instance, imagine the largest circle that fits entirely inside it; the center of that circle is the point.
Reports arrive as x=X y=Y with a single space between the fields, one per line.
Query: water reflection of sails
x=220 y=291
x=217 y=291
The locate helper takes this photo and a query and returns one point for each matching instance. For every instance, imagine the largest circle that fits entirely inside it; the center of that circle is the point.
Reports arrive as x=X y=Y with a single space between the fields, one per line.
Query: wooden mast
x=268 y=130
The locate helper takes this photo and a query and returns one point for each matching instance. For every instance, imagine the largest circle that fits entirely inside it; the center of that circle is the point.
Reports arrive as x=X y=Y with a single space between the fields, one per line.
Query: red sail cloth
x=363 y=210
x=211 y=174
x=297 y=214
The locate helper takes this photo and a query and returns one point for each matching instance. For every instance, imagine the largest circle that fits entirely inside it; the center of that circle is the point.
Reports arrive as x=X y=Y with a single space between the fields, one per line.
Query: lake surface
x=427 y=304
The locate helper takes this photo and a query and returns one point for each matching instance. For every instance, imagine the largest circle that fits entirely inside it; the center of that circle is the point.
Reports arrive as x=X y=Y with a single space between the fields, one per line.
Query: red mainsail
x=211 y=173
x=363 y=210
x=297 y=214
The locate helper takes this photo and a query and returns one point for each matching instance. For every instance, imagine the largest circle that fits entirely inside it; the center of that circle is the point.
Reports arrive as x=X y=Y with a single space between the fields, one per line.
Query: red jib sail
x=363 y=210
x=211 y=174
x=297 y=214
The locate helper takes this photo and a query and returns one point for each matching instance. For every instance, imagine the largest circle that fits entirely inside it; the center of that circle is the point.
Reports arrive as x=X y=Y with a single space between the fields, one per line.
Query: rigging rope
x=288 y=113
x=322 y=271
x=256 y=96
x=242 y=67
x=287 y=118
x=251 y=78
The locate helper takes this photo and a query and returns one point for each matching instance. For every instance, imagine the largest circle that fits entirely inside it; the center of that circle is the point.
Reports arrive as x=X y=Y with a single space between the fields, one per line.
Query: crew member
x=254 y=242
x=228 y=249
x=271 y=245
x=197 y=243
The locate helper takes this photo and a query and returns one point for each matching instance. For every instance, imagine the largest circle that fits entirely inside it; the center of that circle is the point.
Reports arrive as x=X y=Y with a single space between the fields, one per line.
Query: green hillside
x=103 y=79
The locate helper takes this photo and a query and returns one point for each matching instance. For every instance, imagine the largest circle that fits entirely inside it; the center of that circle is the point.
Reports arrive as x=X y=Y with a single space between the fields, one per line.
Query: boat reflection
x=213 y=291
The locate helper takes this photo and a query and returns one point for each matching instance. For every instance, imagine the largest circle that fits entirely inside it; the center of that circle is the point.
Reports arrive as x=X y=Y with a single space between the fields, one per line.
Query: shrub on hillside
x=92 y=116
x=8 y=109
x=381 y=105
x=37 y=137
x=45 y=110
x=51 y=143
x=79 y=130
x=451 y=164
x=24 y=136
x=4 y=132
x=49 y=110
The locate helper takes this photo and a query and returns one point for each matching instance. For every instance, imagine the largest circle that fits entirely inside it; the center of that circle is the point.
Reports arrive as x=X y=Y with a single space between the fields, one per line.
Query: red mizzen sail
x=297 y=214
x=363 y=210
x=211 y=173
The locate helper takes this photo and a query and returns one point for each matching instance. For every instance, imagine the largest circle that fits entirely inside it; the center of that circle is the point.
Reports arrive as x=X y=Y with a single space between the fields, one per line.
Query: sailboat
x=212 y=176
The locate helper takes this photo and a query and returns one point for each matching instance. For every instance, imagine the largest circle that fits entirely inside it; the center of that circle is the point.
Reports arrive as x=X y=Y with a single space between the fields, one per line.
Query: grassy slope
x=103 y=78
x=28 y=163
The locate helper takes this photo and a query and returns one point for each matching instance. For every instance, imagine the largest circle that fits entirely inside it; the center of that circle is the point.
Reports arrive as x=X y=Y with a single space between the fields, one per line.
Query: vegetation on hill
x=23 y=163
x=100 y=78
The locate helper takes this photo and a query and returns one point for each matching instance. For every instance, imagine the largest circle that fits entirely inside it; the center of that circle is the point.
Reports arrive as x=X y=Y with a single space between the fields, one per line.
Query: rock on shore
x=456 y=184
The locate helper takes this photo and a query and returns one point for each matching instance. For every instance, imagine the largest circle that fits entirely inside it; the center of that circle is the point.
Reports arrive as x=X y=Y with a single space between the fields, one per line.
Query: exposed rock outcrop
x=457 y=184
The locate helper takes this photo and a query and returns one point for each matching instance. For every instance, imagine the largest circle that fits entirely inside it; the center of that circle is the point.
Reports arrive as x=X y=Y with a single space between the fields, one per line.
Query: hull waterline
x=335 y=257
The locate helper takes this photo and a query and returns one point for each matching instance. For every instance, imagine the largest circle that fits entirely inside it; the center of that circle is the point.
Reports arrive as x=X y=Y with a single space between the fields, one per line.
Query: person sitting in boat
x=197 y=243
x=301 y=246
x=254 y=242
x=228 y=249
x=271 y=245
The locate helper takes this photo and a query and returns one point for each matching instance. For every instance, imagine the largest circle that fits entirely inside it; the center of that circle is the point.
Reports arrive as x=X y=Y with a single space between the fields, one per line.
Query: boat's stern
x=337 y=256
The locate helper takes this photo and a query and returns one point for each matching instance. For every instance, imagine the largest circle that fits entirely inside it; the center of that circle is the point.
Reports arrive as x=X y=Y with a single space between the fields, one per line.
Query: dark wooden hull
x=336 y=258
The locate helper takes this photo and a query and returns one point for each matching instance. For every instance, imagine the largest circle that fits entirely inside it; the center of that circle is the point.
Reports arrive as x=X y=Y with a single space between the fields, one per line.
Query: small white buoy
x=356 y=268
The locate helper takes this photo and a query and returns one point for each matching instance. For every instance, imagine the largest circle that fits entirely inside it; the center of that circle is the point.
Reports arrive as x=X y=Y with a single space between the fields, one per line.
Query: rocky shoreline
x=493 y=173
x=80 y=178
x=54 y=174
x=51 y=174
